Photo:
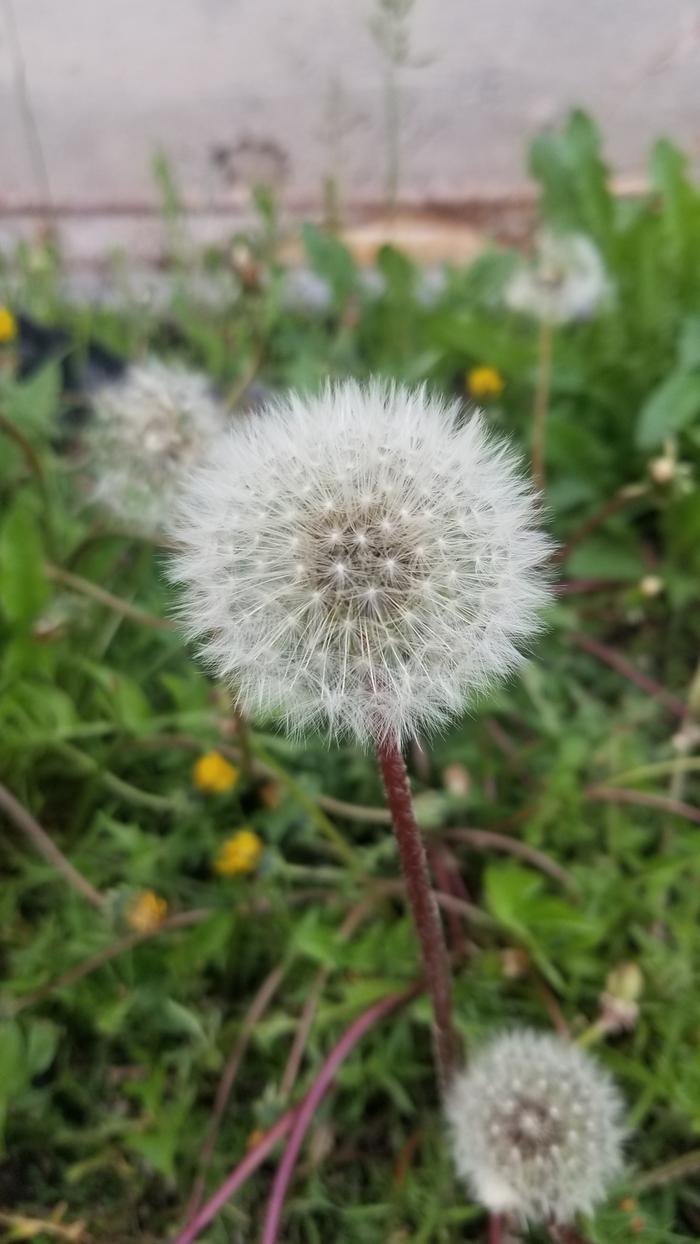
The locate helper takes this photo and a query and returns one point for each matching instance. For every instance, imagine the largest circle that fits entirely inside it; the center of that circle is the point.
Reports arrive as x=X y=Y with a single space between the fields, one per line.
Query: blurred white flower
x=304 y=290
x=565 y=281
x=372 y=282
x=147 y=431
x=360 y=560
x=536 y=1127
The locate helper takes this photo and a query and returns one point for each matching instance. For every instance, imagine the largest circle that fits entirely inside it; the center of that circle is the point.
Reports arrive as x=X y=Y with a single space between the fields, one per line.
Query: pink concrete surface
x=289 y=91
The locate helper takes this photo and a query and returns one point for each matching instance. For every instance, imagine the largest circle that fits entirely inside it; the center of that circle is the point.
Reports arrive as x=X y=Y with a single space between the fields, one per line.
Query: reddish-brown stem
x=295 y=1120
x=489 y=839
x=444 y=879
x=566 y=1234
x=423 y=906
x=624 y=497
x=45 y=845
x=496 y=1224
x=181 y=920
x=551 y=1006
x=541 y=404
x=250 y=1163
x=296 y=1054
x=619 y=663
x=643 y=799
x=310 y=1104
x=255 y=1012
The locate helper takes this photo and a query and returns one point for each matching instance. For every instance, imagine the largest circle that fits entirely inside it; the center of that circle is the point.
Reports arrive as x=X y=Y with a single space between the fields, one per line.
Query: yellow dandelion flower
x=146 y=912
x=485 y=382
x=213 y=774
x=239 y=854
x=8 y=325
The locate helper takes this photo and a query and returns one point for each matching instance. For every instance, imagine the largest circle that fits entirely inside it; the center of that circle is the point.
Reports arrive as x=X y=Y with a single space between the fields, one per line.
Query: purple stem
x=252 y=1160
x=310 y=1104
x=496 y=1224
x=292 y=1118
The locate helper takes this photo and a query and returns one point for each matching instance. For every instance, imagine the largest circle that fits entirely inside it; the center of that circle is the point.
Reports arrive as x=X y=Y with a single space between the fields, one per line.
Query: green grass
x=107 y=1083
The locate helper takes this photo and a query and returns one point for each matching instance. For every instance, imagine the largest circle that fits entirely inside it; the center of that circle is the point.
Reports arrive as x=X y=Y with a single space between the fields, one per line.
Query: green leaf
x=330 y=259
x=552 y=929
x=607 y=557
x=23 y=587
x=32 y=405
x=689 y=343
x=669 y=408
x=13 y=1069
x=574 y=178
x=42 y=1042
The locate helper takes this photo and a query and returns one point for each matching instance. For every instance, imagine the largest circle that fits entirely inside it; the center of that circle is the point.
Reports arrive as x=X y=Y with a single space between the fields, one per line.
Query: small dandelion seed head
x=149 y=430
x=566 y=280
x=536 y=1127
x=404 y=610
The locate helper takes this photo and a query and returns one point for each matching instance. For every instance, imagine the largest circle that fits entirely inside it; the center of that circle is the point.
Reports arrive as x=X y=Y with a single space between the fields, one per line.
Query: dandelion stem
x=85 y=587
x=311 y=1103
x=677 y=1168
x=254 y=1014
x=496 y=1228
x=642 y=799
x=423 y=906
x=616 y=661
x=181 y=920
x=541 y=405
x=566 y=1234
x=297 y=1119
x=45 y=845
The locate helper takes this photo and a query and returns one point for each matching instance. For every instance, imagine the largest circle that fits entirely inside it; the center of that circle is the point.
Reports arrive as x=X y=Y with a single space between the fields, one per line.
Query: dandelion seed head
x=566 y=280
x=395 y=605
x=536 y=1127
x=149 y=429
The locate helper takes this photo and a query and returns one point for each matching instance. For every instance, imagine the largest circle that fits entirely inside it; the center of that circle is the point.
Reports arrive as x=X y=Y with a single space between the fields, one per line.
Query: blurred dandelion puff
x=149 y=429
x=536 y=1127
x=565 y=281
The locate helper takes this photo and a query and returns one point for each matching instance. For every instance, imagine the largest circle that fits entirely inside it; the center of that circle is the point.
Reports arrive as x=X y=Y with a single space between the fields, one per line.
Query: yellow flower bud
x=214 y=775
x=239 y=854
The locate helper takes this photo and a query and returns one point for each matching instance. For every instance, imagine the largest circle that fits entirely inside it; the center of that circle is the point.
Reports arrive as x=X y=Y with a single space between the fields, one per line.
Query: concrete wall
x=290 y=90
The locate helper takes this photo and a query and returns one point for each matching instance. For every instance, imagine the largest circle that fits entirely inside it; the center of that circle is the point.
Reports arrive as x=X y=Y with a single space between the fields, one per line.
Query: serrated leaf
x=671 y=407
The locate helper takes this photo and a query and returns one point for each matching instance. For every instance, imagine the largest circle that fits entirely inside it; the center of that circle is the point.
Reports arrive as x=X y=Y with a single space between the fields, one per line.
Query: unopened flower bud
x=456 y=780
x=663 y=469
x=619 y=1001
x=651 y=585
